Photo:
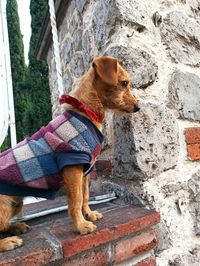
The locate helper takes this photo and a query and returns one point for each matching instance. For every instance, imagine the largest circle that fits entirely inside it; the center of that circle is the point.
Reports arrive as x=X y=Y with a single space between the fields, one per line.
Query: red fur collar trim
x=81 y=107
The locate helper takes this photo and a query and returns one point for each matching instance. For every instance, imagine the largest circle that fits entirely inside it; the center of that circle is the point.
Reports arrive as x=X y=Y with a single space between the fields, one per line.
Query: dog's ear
x=106 y=69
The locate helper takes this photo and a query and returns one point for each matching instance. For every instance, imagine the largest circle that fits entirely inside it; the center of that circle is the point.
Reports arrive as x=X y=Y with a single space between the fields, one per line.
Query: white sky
x=25 y=24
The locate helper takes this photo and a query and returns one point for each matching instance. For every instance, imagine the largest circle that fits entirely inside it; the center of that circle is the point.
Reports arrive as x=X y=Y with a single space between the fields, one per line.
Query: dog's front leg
x=73 y=181
x=91 y=215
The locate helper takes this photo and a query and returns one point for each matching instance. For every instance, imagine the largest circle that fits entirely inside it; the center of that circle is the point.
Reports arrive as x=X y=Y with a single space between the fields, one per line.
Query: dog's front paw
x=86 y=227
x=18 y=228
x=10 y=243
x=93 y=215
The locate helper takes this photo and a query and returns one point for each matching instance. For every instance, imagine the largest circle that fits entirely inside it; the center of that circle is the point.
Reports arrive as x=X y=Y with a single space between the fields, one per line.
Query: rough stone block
x=76 y=65
x=80 y=5
x=194 y=190
x=182 y=37
x=146 y=143
x=121 y=192
x=184 y=94
x=140 y=65
x=67 y=81
x=66 y=51
x=108 y=15
x=77 y=40
x=87 y=49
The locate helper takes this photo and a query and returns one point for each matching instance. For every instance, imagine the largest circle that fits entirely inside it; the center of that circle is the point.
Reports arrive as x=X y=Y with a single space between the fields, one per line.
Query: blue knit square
x=80 y=127
x=30 y=169
x=79 y=144
x=88 y=137
x=39 y=147
x=48 y=164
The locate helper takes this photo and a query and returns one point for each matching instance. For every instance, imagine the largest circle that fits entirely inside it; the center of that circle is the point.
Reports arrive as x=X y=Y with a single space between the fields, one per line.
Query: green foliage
x=30 y=85
x=38 y=105
x=15 y=42
x=18 y=66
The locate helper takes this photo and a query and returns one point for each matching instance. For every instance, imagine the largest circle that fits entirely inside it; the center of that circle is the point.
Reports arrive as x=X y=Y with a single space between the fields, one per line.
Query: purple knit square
x=9 y=170
x=56 y=143
x=40 y=183
x=56 y=122
x=7 y=160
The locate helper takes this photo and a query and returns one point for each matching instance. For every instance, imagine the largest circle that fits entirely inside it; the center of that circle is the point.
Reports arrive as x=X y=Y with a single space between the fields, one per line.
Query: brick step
x=125 y=233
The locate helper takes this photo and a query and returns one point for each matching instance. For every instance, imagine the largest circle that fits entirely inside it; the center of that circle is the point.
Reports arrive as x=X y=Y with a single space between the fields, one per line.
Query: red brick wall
x=192 y=138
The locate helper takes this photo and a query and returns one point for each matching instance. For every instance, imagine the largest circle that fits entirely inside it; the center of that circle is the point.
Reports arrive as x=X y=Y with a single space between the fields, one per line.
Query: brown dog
x=105 y=86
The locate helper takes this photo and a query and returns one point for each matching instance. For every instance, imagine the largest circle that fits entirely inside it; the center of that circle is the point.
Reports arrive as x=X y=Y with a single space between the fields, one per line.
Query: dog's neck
x=87 y=95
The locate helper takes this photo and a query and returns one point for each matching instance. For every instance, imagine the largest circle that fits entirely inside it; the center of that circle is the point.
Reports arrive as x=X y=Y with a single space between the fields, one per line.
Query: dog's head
x=113 y=85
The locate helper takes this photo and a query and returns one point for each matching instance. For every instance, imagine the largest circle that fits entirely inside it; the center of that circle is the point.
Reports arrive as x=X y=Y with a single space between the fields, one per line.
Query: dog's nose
x=136 y=108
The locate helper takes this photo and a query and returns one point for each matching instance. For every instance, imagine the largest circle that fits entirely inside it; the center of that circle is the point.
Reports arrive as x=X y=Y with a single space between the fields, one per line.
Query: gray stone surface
x=146 y=143
x=184 y=94
x=103 y=22
x=134 y=12
x=66 y=51
x=194 y=189
x=140 y=65
x=67 y=81
x=77 y=40
x=121 y=193
x=87 y=49
x=80 y=5
x=195 y=8
x=76 y=65
x=181 y=35
x=109 y=15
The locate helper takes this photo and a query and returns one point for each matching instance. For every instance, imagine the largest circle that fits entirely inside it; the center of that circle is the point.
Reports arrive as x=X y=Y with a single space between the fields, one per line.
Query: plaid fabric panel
x=55 y=142
x=59 y=120
x=79 y=144
x=38 y=183
x=88 y=137
x=32 y=161
x=30 y=169
x=52 y=181
x=9 y=171
x=66 y=131
x=80 y=127
x=48 y=164
x=40 y=147
x=23 y=153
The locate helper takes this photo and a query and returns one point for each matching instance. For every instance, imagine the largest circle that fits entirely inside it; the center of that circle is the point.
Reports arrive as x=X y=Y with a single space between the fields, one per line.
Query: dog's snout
x=136 y=108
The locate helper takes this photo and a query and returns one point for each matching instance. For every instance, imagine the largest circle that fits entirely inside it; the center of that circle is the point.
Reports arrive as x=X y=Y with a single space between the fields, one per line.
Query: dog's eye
x=124 y=83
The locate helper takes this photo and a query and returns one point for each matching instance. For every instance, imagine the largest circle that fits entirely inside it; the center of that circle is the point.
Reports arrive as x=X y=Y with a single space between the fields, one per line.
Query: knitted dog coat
x=32 y=167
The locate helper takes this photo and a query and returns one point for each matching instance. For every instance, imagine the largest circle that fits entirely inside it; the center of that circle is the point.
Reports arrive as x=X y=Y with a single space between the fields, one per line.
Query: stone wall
x=158 y=42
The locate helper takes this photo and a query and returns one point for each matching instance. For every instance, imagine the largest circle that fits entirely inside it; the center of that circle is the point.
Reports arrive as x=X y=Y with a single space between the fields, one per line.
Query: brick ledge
x=52 y=239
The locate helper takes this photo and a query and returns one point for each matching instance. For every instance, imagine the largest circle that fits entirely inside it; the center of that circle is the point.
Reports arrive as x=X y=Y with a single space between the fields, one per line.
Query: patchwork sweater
x=32 y=167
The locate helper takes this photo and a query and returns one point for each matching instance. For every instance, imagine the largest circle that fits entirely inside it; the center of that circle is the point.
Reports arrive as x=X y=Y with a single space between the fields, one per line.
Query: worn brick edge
x=108 y=234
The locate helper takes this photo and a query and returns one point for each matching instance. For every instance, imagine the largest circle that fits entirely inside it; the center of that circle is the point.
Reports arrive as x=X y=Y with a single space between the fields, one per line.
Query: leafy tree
x=30 y=85
x=38 y=105
x=18 y=66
